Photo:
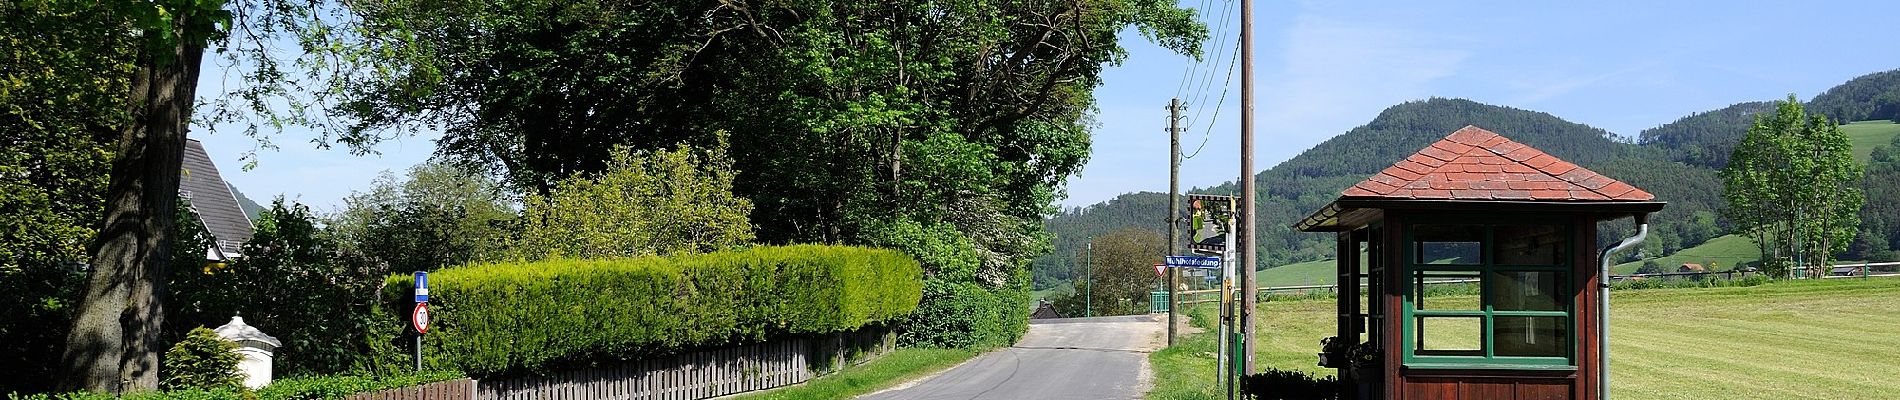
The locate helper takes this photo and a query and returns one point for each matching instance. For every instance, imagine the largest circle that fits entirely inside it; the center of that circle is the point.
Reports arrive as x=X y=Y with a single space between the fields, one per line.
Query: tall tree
x=852 y=122
x=1794 y=186
x=1118 y=274
x=115 y=340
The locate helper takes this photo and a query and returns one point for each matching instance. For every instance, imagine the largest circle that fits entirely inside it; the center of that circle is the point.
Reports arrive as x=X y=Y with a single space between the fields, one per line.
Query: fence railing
x=1838 y=271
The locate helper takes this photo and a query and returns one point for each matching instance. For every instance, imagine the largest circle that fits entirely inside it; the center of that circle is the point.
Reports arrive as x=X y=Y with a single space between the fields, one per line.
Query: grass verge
x=891 y=369
x=1823 y=339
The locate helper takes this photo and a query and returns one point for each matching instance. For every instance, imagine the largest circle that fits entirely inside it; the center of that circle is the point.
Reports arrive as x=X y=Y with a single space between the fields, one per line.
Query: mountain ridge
x=1677 y=161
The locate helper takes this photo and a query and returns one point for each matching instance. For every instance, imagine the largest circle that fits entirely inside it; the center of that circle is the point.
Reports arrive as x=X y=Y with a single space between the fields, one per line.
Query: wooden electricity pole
x=1247 y=223
x=1174 y=208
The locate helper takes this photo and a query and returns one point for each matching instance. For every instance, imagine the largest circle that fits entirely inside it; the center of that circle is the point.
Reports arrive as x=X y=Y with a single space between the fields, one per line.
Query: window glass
x=1531 y=336
x=1527 y=290
x=1448 y=244
x=1446 y=291
x=1450 y=336
x=1527 y=244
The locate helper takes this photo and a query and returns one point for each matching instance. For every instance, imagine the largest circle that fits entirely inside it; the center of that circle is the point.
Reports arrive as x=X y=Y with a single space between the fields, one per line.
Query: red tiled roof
x=1476 y=164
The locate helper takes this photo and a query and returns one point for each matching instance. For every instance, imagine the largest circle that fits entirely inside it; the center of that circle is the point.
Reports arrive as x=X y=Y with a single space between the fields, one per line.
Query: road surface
x=1072 y=358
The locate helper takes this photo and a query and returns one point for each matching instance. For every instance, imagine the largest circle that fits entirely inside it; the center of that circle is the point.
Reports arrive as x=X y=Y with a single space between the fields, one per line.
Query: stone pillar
x=255 y=349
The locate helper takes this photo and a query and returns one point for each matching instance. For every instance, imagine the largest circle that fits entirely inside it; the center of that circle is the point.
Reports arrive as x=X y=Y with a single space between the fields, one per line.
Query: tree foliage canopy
x=853 y=122
x=645 y=203
x=1794 y=186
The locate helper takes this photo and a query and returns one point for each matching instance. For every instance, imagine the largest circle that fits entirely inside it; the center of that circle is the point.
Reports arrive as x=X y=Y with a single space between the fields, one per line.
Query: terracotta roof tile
x=1403 y=174
x=1428 y=162
x=1438 y=153
x=1476 y=164
x=1558 y=168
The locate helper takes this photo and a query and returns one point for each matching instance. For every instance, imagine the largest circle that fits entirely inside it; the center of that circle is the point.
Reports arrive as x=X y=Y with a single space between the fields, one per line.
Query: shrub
x=1274 y=384
x=341 y=386
x=645 y=203
x=310 y=388
x=503 y=318
x=202 y=361
x=293 y=284
x=966 y=315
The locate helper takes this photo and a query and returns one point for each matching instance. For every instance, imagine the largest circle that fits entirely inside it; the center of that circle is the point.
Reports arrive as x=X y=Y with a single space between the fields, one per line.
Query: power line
x=1208 y=132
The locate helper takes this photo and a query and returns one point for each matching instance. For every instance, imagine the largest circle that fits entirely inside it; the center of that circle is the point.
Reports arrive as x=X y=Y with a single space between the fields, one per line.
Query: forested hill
x=1314 y=177
x=1706 y=138
x=1868 y=97
x=1676 y=161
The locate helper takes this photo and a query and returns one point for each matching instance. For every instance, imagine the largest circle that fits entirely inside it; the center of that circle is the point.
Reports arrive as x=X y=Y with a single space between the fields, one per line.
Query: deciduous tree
x=1794 y=186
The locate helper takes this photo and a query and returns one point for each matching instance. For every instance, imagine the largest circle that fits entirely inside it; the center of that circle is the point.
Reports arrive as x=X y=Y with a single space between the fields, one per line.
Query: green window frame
x=1519 y=300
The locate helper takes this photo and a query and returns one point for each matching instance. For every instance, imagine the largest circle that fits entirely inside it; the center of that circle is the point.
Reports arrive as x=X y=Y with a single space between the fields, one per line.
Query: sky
x=1323 y=67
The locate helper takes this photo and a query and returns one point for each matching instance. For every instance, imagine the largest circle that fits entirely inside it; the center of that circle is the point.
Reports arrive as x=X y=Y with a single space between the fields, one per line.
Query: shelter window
x=1490 y=294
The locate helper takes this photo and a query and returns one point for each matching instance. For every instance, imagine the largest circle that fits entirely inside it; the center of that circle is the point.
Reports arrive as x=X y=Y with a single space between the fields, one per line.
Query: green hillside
x=1868 y=134
x=1725 y=252
x=1307 y=273
x=1676 y=161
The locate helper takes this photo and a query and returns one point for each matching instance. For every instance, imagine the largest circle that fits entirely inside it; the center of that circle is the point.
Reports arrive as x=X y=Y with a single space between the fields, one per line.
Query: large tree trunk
x=115 y=344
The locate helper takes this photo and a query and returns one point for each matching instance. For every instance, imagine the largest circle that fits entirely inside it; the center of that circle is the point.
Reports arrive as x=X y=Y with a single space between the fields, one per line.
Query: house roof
x=1476 y=164
x=212 y=200
x=1692 y=267
x=1473 y=168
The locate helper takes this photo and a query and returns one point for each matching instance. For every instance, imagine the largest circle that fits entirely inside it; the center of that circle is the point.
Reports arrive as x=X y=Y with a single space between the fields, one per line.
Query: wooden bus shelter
x=1481 y=273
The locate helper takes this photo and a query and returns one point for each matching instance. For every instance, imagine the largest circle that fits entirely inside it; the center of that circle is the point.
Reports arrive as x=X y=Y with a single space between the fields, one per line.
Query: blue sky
x=1322 y=68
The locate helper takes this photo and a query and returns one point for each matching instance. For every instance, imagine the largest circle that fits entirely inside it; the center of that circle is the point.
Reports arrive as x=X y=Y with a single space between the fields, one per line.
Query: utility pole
x=1088 y=281
x=1174 y=208
x=1247 y=222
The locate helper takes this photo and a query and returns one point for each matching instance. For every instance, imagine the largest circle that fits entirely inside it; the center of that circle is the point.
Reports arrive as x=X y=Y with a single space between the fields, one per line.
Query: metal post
x=418 y=352
x=1174 y=206
x=1088 y=282
x=1247 y=223
x=1228 y=307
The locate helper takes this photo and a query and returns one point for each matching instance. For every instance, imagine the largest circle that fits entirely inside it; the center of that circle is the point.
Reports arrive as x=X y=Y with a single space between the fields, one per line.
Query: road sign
x=420 y=319
x=1160 y=269
x=422 y=287
x=1193 y=262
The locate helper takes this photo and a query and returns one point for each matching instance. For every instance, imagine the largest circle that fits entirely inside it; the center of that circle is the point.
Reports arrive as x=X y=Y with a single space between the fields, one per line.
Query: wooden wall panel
x=1543 y=391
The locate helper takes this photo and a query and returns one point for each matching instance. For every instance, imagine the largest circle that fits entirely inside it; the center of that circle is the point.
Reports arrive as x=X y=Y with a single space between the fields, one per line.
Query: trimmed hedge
x=506 y=318
x=307 y=388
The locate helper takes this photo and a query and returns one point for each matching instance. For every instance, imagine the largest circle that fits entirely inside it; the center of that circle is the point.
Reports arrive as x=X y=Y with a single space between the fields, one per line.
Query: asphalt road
x=1073 y=358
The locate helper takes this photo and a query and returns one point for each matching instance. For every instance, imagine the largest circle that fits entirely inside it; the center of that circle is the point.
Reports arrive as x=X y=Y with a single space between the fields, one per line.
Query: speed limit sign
x=421 y=318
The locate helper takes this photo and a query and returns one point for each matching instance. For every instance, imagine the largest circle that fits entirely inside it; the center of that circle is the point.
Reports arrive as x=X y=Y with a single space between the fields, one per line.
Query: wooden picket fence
x=699 y=375
x=456 y=389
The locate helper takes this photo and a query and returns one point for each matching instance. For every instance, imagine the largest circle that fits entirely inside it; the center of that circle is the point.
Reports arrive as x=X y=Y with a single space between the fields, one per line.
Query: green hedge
x=505 y=318
x=309 y=388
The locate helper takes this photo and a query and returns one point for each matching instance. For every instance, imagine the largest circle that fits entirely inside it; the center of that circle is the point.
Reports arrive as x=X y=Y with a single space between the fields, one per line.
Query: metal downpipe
x=1603 y=304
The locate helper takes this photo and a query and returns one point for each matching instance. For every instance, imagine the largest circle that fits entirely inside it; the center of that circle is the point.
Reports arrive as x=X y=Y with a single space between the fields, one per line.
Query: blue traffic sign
x=1193 y=262
x=422 y=287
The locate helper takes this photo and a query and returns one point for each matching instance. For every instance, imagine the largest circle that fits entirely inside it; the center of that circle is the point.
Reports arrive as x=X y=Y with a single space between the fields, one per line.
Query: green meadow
x=1825 y=339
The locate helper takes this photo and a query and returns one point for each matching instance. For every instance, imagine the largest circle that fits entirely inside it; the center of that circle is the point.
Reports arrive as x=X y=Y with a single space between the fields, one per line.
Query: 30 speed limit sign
x=421 y=318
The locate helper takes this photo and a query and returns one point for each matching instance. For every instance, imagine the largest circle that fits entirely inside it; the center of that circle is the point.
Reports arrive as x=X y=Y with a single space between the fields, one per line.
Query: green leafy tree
x=645 y=203
x=1122 y=274
x=438 y=216
x=858 y=122
x=61 y=103
x=202 y=361
x=1793 y=185
x=294 y=282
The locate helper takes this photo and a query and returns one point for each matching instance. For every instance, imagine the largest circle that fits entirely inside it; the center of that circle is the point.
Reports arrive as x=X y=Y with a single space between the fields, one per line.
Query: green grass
x=1307 y=273
x=1825 y=339
x=1725 y=251
x=891 y=369
x=1867 y=134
